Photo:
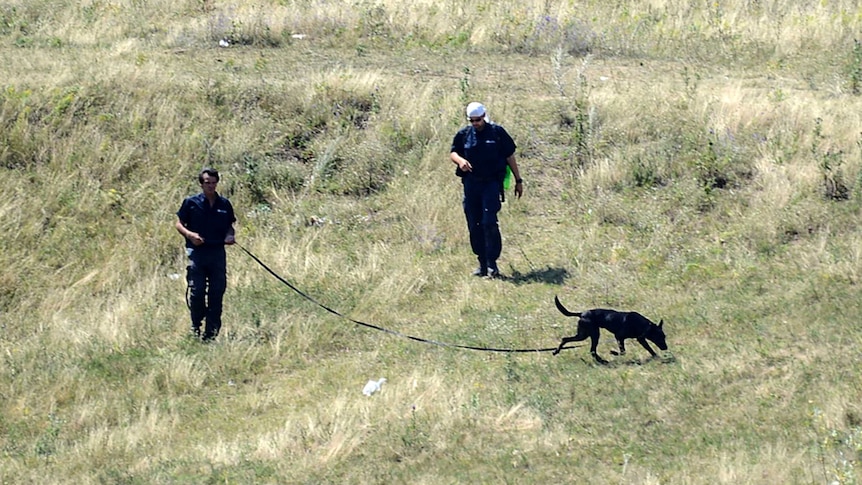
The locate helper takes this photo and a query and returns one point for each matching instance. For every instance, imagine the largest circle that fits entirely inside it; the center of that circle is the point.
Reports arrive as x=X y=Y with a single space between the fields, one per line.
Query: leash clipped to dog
x=385 y=330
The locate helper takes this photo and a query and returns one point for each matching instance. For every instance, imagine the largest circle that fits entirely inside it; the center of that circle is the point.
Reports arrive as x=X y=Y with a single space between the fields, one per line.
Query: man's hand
x=195 y=238
x=230 y=239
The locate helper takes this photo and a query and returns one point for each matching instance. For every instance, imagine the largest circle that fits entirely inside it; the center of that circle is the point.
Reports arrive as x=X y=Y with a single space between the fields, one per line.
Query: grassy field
x=699 y=162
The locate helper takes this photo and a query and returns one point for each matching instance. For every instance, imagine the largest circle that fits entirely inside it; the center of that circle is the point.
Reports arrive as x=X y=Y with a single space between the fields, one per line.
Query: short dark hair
x=208 y=171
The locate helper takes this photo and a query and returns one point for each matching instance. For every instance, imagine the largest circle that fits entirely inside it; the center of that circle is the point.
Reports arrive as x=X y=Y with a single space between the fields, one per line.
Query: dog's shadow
x=552 y=276
x=629 y=362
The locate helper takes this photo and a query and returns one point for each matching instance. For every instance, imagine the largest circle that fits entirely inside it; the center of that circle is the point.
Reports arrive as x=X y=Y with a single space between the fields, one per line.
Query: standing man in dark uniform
x=482 y=151
x=206 y=222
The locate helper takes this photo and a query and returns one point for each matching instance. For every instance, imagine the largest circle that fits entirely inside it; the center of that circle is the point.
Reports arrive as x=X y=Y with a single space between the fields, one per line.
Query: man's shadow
x=553 y=276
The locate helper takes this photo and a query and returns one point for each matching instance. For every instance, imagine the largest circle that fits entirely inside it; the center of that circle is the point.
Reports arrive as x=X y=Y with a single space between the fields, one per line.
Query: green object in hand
x=507 y=180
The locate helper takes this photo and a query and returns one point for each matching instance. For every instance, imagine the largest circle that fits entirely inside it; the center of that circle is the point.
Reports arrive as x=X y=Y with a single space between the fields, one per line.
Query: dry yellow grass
x=333 y=147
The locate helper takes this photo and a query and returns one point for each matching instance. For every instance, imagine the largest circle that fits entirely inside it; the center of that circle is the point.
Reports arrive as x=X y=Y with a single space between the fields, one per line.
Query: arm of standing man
x=231 y=236
x=519 y=182
x=461 y=162
x=192 y=236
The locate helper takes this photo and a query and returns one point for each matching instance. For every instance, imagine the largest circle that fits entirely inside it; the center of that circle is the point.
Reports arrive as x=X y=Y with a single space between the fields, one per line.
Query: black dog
x=622 y=324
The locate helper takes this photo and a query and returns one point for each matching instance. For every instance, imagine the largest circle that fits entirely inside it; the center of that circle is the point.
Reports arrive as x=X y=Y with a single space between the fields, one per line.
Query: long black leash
x=375 y=327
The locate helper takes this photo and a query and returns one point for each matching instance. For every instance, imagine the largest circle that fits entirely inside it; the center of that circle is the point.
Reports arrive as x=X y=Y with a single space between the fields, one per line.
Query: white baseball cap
x=474 y=110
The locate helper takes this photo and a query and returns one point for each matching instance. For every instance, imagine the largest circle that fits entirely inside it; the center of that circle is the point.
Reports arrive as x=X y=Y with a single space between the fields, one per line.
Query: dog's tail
x=563 y=309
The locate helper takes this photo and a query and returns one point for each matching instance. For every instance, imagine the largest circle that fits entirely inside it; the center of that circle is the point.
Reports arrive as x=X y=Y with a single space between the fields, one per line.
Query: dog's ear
x=660 y=323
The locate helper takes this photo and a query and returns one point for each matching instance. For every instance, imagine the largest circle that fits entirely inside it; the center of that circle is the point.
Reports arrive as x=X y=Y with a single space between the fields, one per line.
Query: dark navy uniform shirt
x=212 y=222
x=486 y=150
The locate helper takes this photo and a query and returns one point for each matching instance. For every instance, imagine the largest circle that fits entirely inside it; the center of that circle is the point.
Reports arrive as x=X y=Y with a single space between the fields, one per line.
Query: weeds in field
x=829 y=163
x=838 y=452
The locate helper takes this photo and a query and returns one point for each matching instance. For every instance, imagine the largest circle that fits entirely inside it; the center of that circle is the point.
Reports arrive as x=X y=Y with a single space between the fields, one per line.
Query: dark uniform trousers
x=481 y=205
x=207 y=278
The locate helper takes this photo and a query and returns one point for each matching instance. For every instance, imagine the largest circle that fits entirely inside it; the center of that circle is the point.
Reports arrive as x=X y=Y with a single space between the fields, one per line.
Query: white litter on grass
x=298 y=36
x=373 y=386
x=223 y=43
x=174 y=276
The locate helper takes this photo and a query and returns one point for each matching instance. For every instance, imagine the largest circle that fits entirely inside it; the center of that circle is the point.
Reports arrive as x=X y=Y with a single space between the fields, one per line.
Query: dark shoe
x=195 y=332
x=493 y=273
x=480 y=271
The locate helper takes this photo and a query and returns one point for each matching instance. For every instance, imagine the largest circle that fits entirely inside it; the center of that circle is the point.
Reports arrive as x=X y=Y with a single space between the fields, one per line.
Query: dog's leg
x=582 y=334
x=563 y=342
x=621 y=343
x=645 y=345
x=599 y=359
x=594 y=345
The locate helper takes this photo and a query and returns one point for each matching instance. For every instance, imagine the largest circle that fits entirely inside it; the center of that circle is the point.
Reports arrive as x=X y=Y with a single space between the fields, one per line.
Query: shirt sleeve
x=183 y=213
x=231 y=215
x=507 y=144
x=458 y=143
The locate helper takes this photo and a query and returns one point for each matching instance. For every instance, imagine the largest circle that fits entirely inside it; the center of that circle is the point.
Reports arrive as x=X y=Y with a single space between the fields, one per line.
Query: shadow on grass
x=622 y=363
x=553 y=276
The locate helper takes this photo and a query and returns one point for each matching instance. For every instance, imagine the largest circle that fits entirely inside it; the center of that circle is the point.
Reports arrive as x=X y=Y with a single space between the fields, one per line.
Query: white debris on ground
x=373 y=386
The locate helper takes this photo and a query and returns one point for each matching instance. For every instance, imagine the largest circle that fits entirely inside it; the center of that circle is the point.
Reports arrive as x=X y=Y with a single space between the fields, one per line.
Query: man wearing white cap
x=482 y=151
